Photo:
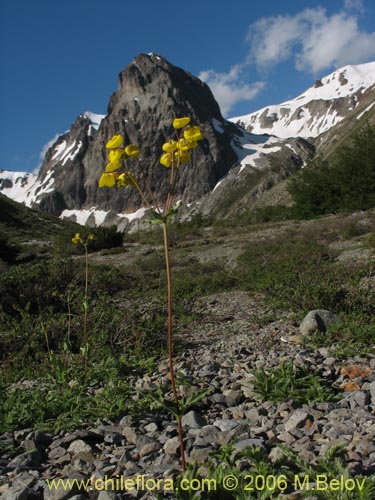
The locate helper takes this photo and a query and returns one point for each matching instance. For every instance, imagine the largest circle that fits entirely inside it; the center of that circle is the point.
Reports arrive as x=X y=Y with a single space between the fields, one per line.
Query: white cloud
x=229 y=88
x=356 y=5
x=316 y=40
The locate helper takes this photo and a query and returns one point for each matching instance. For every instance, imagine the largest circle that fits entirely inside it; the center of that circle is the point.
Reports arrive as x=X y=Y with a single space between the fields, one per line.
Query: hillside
x=26 y=233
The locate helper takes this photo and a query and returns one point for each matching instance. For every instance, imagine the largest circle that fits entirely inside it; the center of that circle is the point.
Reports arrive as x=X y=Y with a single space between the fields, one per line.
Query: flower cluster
x=116 y=154
x=178 y=151
x=77 y=239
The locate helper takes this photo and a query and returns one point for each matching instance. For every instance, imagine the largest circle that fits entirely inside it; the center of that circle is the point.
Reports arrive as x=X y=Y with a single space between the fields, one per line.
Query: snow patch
x=20 y=183
x=94 y=118
x=82 y=216
x=278 y=119
x=365 y=111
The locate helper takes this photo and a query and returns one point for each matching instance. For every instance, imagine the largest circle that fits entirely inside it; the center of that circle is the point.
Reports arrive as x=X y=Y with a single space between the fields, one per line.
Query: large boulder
x=318 y=320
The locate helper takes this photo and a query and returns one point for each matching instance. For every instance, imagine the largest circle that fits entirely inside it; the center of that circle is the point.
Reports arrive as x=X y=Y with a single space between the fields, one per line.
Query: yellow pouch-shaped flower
x=169 y=146
x=183 y=157
x=107 y=180
x=115 y=142
x=166 y=160
x=181 y=122
x=114 y=165
x=185 y=145
x=132 y=150
x=193 y=134
x=115 y=155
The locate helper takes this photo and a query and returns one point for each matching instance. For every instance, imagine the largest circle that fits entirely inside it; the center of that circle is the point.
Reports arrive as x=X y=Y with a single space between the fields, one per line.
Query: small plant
x=175 y=152
x=85 y=243
x=289 y=382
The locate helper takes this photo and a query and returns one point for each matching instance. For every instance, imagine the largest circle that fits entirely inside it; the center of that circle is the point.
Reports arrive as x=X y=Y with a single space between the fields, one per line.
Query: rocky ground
x=236 y=337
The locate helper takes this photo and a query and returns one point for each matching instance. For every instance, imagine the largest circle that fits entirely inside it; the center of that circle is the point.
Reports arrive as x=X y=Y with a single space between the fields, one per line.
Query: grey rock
x=233 y=398
x=248 y=443
x=194 y=420
x=149 y=448
x=78 y=446
x=172 y=446
x=130 y=434
x=26 y=460
x=152 y=427
x=372 y=392
x=200 y=455
x=108 y=495
x=226 y=425
x=61 y=493
x=297 y=419
x=20 y=491
x=318 y=319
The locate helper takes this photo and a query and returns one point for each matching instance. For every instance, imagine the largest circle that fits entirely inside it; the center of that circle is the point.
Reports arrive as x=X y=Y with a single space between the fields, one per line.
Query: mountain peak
x=318 y=108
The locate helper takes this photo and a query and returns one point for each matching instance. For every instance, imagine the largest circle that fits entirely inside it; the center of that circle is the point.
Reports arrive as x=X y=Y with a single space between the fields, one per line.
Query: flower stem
x=85 y=306
x=170 y=342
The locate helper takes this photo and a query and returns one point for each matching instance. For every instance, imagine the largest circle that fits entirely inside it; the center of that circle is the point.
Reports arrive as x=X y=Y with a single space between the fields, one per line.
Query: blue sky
x=59 y=59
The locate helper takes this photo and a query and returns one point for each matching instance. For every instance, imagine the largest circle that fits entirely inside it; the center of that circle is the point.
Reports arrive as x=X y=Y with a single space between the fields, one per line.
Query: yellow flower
x=107 y=180
x=76 y=239
x=193 y=134
x=183 y=157
x=184 y=145
x=132 y=150
x=166 y=160
x=91 y=237
x=181 y=122
x=169 y=146
x=115 y=155
x=115 y=142
x=125 y=179
x=112 y=166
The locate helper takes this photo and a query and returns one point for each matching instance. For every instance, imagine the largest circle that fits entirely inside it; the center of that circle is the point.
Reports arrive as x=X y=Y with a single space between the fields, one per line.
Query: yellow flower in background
x=115 y=142
x=193 y=134
x=114 y=165
x=181 y=122
x=107 y=180
x=166 y=160
x=115 y=155
x=77 y=239
x=170 y=146
x=183 y=157
x=91 y=237
x=132 y=150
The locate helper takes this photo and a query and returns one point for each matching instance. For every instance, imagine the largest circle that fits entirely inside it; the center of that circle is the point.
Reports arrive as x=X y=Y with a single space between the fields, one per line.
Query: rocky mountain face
x=241 y=162
x=151 y=93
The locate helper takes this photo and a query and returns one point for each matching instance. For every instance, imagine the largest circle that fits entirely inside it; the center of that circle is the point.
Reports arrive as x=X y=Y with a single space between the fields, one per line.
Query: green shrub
x=104 y=238
x=345 y=183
